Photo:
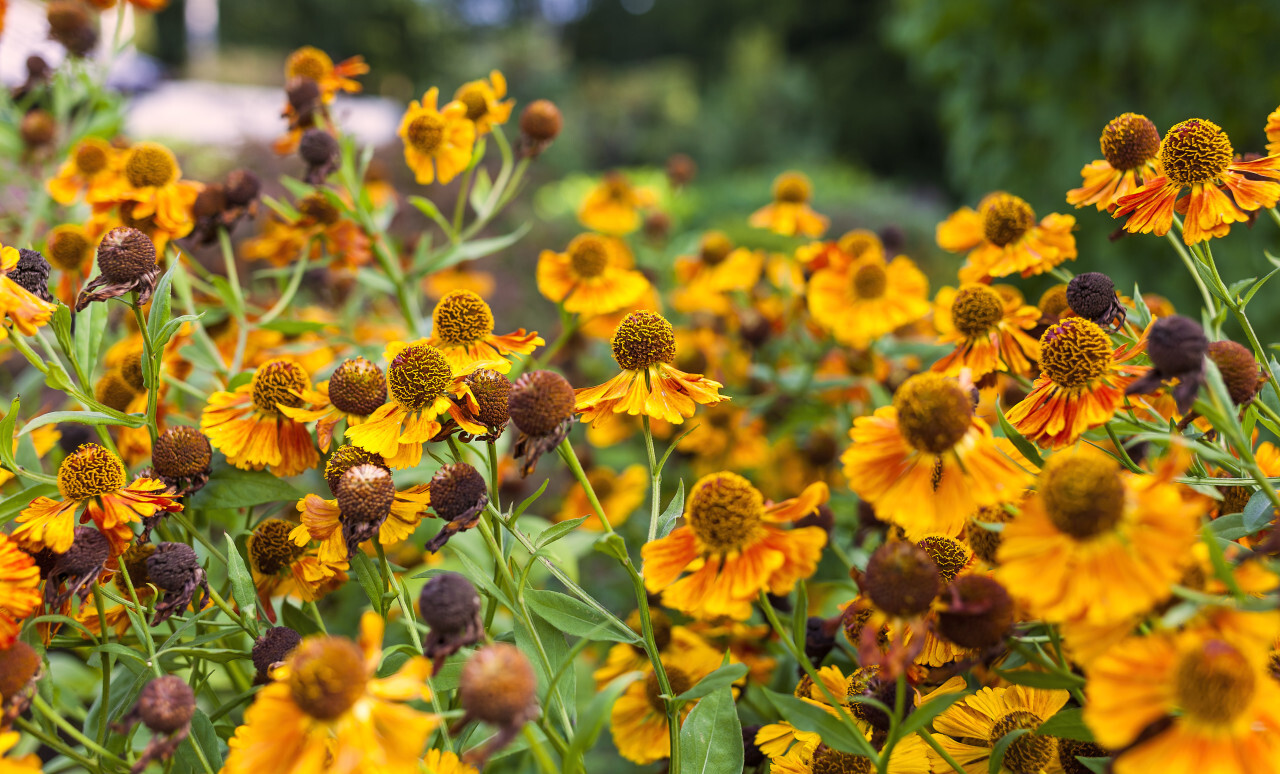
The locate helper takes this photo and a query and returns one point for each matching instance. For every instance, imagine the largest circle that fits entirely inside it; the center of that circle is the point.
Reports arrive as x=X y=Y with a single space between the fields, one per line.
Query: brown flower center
x=426 y=132
x=948 y=553
x=1005 y=218
x=679 y=681
x=418 y=375
x=89 y=471
x=150 y=164
x=792 y=187
x=643 y=339
x=277 y=382
x=308 y=62
x=462 y=317
x=358 y=387
x=1129 y=141
x=934 y=413
x=90 y=158
x=724 y=511
x=588 y=256
x=1214 y=684
x=1194 y=152
x=327 y=676
x=828 y=761
x=1030 y=752
x=976 y=310
x=1082 y=493
x=870 y=281
x=270 y=549
x=1074 y=352
x=472 y=95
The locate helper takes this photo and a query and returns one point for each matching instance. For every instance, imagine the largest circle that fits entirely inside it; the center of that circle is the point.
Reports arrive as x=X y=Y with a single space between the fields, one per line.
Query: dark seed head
x=365 y=494
x=539 y=402
x=89 y=551
x=181 y=451
x=979 y=613
x=272 y=647
x=32 y=273
x=902 y=580
x=167 y=704
x=448 y=602
x=1239 y=369
x=1091 y=295
x=126 y=255
x=172 y=565
x=1176 y=345
x=456 y=489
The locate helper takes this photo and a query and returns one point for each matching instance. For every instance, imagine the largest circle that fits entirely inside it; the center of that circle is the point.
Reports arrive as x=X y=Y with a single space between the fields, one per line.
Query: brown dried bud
x=902 y=580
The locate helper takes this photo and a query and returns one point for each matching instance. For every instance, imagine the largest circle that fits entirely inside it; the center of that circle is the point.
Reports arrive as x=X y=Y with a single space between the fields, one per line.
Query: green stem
x=1195 y=275
x=286 y=298
x=540 y=755
x=152 y=372
x=655 y=476
x=38 y=702
x=460 y=206
x=946 y=756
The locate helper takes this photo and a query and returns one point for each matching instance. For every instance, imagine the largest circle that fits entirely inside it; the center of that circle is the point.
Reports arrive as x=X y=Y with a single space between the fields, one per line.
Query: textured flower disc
x=934 y=412
x=724 y=511
x=643 y=339
x=358 y=387
x=588 y=255
x=89 y=471
x=181 y=451
x=345 y=458
x=326 y=676
x=365 y=494
x=418 y=375
x=271 y=551
x=1129 y=141
x=1194 y=152
x=126 y=254
x=277 y=382
x=1082 y=493
x=462 y=317
x=150 y=164
x=1074 y=352
x=1005 y=218
x=456 y=489
x=976 y=310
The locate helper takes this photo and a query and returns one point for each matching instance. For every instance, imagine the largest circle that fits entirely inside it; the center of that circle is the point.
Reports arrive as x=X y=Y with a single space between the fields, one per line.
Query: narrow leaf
x=575 y=617
x=725 y=675
x=808 y=717
x=1067 y=724
x=711 y=737
x=242 y=588
x=673 y=511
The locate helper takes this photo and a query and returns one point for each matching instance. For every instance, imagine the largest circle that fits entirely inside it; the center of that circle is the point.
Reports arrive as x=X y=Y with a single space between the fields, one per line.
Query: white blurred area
x=192 y=112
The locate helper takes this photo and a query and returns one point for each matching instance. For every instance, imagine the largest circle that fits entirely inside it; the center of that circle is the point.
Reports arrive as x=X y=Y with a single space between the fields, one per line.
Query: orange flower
x=861 y=299
x=148 y=195
x=1273 y=133
x=248 y=426
x=482 y=98
x=789 y=213
x=321 y=520
x=1197 y=154
x=734 y=548
x=989 y=331
x=644 y=346
x=321 y=227
x=595 y=275
x=1003 y=238
x=19 y=589
x=437 y=143
x=94 y=477
x=23 y=308
x=1130 y=143
x=613 y=207
x=927 y=462
x=1081 y=384
x=93 y=165
x=707 y=279
x=462 y=330
x=310 y=62
x=356 y=389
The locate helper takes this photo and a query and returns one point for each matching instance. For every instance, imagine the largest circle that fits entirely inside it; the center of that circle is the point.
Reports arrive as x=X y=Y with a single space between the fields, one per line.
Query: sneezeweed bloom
x=1092 y=295
x=437 y=142
x=862 y=299
x=483 y=99
x=595 y=275
x=445 y=762
x=789 y=213
x=497 y=687
x=182 y=458
x=462 y=331
x=1196 y=700
x=541 y=406
x=93 y=166
x=25 y=310
x=271 y=649
x=321 y=228
x=19 y=588
x=492 y=392
x=1197 y=154
x=312 y=63
x=735 y=546
x=970 y=729
x=639 y=718
x=1130 y=144
x=356 y=389
x=450 y=606
x=1002 y=237
x=70 y=251
x=327 y=711
x=422 y=387
x=248 y=426
x=644 y=346
x=127 y=263
x=1095 y=544
x=927 y=463
x=150 y=193
x=990 y=335
x=366 y=503
x=24 y=764
x=718 y=270
x=613 y=206
x=93 y=478
x=620 y=494
x=909 y=756
x=459 y=495
x=1081 y=384
x=282 y=567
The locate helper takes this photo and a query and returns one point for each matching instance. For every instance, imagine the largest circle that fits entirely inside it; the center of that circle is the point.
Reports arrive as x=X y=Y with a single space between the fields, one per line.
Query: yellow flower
x=732 y=543
x=310 y=62
x=26 y=764
x=19 y=589
x=862 y=299
x=482 y=98
x=1273 y=132
x=443 y=762
x=320 y=229
x=644 y=346
x=462 y=329
x=989 y=331
x=909 y=756
x=707 y=279
x=789 y=213
x=249 y=427
x=927 y=462
x=1002 y=237
x=437 y=143
x=281 y=567
x=620 y=494
x=1130 y=144
x=639 y=718
x=595 y=275
x=613 y=207
x=93 y=165
x=23 y=308
x=1096 y=544
x=148 y=195
x=327 y=711
x=969 y=730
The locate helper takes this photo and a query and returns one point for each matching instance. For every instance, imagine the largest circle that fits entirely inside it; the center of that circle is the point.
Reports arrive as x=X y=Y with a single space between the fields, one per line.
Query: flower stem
x=152 y=372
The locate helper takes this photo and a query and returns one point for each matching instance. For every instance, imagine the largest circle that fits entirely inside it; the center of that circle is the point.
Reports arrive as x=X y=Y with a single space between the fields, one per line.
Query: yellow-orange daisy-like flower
x=620 y=494
x=675 y=643
x=444 y=762
x=314 y=64
x=483 y=99
x=639 y=719
x=1273 y=132
x=464 y=276
x=462 y=329
x=595 y=275
x=1095 y=544
x=909 y=756
x=1002 y=237
x=613 y=206
x=1081 y=384
x=1197 y=154
x=732 y=543
x=19 y=589
x=437 y=142
x=644 y=347
x=92 y=166
x=356 y=389
x=970 y=729
x=94 y=478
x=248 y=426
x=422 y=387
x=860 y=300
x=719 y=269
x=149 y=195
x=1130 y=144
x=789 y=213
x=1207 y=693
x=322 y=519
x=281 y=567
x=327 y=712
x=927 y=462
x=20 y=306
x=989 y=331
x=24 y=764
x=320 y=229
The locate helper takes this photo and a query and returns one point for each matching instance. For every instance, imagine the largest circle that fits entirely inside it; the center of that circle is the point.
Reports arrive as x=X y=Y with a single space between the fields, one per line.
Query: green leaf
x=204 y=736
x=228 y=296
x=91 y=325
x=297 y=188
x=1256 y=287
x=673 y=511
x=7 y=427
x=1096 y=765
x=557 y=650
x=925 y=713
x=469 y=251
x=1143 y=315
x=612 y=544
x=481 y=187
x=1047 y=680
x=1067 y=724
x=294 y=327
x=556 y=531
x=477 y=575
x=296 y=619
x=161 y=304
x=1258 y=512
x=575 y=617
x=1229 y=527
x=593 y=719
x=61 y=324
x=83 y=418
x=1024 y=447
x=711 y=737
x=429 y=208
x=242 y=588
x=369 y=579
x=808 y=717
x=530 y=500
x=231 y=488
x=725 y=675
x=1001 y=747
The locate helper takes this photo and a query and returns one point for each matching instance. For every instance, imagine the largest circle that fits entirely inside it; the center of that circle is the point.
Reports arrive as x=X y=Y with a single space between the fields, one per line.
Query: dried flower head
x=365 y=494
x=1092 y=295
x=902 y=580
x=32 y=274
x=458 y=495
x=541 y=406
x=498 y=686
x=1239 y=368
x=127 y=262
x=978 y=613
x=540 y=123
x=78 y=568
x=450 y=605
x=1176 y=346
x=165 y=706
x=272 y=647
x=182 y=457
x=175 y=569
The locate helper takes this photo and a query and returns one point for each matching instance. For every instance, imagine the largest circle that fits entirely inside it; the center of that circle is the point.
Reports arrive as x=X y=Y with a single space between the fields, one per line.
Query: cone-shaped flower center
x=426 y=132
x=89 y=471
x=934 y=413
x=418 y=375
x=1082 y=493
x=1030 y=752
x=326 y=677
x=277 y=382
x=976 y=309
x=643 y=339
x=588 y=256
x=150 y=164
x=1074 y=352
x=724 y=511
x=1195 y=151
x=1005 y=218
x=1214 y=684
x=462 y=317
x=1129 y=141
x=270 y=549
